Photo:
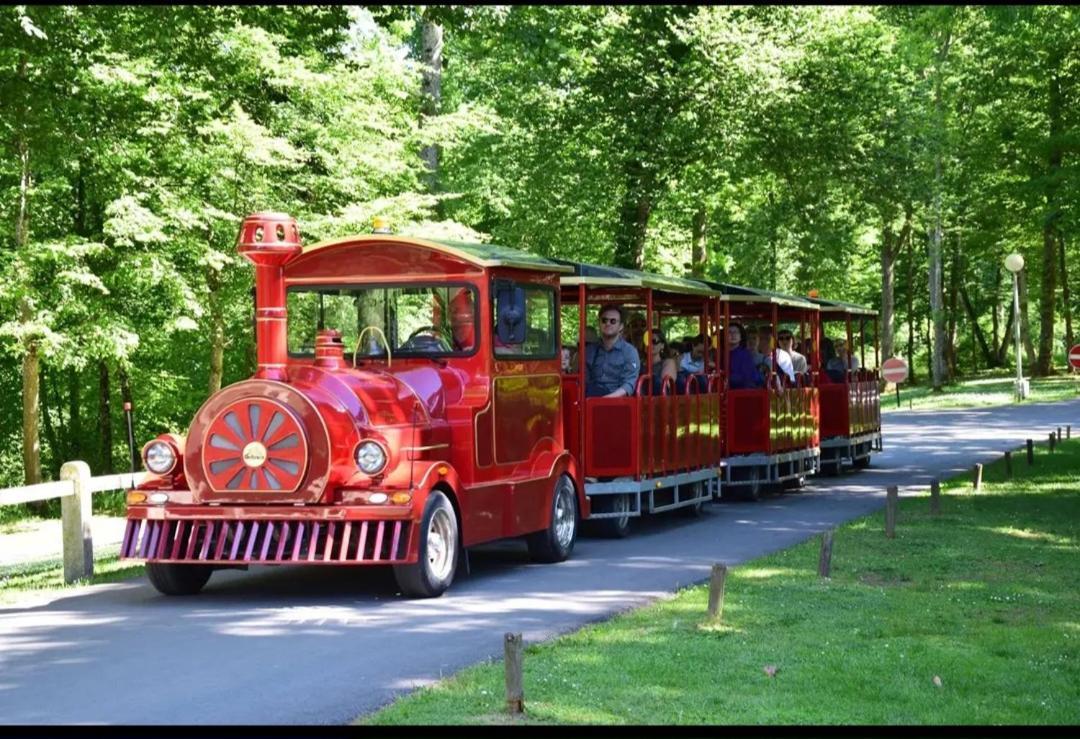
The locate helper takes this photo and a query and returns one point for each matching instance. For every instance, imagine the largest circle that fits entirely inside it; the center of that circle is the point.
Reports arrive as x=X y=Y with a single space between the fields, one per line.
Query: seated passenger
x=741 y=370
x=838 y=365
x=662 y=366
x=693 y=361
x=612 y=365
x=787 y=343
x=569 y=359
x=463 y=320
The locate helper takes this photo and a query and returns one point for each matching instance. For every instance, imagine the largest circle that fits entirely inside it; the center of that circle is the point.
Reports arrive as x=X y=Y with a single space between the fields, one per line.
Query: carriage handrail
x=75 y=489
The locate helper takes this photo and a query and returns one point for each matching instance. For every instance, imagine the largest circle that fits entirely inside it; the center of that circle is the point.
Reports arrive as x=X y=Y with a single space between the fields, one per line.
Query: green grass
x=22 y=580
x=985 y=596
x=985 y=390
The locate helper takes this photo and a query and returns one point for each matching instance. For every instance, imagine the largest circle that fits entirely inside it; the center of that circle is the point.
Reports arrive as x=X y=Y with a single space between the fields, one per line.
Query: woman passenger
x=661 y=364
x=742 y=373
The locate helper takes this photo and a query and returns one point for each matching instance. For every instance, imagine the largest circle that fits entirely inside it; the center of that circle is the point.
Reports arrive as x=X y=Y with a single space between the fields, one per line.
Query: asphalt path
x=323 y=645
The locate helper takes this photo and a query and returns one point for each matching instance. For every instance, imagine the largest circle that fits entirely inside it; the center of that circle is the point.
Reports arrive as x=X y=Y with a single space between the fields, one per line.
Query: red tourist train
x=411 y=401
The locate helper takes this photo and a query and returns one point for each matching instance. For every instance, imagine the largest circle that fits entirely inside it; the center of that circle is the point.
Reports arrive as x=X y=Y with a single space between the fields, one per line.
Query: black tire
x=861 y=463
x=754 y=487
x=794 y=484
x=694 y=511
x=175 y=579
x=830 y=468
x=439 y=551
x=556 y=542
x=612 y=528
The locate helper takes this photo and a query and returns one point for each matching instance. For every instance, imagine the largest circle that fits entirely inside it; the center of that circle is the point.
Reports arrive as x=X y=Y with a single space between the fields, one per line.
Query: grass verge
x=967 y=617
x=981 y=391
x=19 y=581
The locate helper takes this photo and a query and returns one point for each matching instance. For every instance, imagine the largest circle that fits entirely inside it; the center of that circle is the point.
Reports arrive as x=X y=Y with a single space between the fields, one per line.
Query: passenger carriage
x=850 y=399
x=407 y=403
x=770 y=433
x=659 y=449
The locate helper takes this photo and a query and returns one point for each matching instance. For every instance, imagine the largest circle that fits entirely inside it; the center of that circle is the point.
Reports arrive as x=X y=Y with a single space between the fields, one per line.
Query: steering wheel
x=429 y=331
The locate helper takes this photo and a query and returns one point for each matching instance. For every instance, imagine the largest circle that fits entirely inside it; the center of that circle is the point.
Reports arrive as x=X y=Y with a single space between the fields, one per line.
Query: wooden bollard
x=935 y=497
x=716 y=591
x=977 y=483
x=1052 y=440
x=513 y=649
x=892 y=495
x=1059 y=433
x=1068 y=432
x=75 y=512
x=1030 y=452
x=1008 y=465
x=825 y=560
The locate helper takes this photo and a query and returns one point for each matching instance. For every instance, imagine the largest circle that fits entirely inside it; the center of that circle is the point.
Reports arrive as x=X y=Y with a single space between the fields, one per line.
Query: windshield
x=417 y=320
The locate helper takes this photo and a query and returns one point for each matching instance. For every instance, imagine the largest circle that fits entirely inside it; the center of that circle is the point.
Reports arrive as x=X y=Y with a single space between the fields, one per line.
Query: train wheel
x=794 y=483
x=174 y=579
x=555 y=543
x=695 y=510
x=830 y=468
x=754 y=487
x=617 y=527
x=861 y=463
x=434 y=570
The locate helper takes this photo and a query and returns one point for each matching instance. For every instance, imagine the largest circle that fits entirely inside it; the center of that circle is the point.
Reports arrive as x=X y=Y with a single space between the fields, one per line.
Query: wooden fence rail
x=75 y=488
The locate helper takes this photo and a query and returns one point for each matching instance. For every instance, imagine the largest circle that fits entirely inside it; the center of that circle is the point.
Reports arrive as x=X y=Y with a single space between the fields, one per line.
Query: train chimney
x=269 y=240
x=329 y=351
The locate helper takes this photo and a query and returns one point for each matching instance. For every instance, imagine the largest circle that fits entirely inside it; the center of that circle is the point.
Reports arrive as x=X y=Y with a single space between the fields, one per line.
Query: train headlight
x=159 y=457
x=370 y=457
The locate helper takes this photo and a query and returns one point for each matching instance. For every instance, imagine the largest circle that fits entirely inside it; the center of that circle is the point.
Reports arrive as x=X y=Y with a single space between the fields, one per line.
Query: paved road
x=323 y=645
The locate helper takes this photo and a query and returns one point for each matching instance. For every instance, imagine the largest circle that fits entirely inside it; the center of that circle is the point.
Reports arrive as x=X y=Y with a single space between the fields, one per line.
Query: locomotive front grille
x=266 y=542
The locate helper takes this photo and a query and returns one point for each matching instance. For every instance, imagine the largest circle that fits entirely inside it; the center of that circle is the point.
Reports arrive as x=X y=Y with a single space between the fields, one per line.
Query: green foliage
x=133 y=139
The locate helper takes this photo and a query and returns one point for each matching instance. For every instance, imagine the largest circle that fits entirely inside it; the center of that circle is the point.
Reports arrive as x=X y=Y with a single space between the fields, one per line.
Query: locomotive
x=409 y=402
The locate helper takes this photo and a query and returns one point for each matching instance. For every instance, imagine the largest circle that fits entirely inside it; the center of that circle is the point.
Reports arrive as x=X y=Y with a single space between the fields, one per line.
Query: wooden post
x=977 y=485
x=513 y=649
x=1052 y=440
x=935 y=497
x=825 y=560
x=1059 y=433
x=716 y=591
x=75 y=520
x=1030 y=452
x=1008 y=465
x=1068 y=431
x=892 y=494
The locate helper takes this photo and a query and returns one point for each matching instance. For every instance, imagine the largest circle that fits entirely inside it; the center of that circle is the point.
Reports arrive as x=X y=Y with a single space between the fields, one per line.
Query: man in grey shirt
x=612 y=365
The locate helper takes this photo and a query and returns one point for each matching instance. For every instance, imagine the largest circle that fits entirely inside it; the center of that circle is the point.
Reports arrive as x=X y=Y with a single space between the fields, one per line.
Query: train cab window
x=416 y=320
x=523 y=318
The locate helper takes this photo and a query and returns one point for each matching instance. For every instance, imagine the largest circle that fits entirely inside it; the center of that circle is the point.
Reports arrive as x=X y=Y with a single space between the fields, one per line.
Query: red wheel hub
x=255 y=445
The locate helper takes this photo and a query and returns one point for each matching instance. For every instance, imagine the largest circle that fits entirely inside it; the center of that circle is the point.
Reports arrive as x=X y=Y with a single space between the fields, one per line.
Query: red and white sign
x=1074 y=356
x=895 y=369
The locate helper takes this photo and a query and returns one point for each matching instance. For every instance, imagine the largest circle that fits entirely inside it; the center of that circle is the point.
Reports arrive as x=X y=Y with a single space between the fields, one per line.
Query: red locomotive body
x=441 y=431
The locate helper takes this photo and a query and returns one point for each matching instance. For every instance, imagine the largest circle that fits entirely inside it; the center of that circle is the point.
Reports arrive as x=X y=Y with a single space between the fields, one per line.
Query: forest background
x=890 y=156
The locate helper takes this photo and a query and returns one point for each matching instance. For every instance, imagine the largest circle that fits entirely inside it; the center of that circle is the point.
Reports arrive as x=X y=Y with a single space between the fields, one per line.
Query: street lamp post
x=1014 y=263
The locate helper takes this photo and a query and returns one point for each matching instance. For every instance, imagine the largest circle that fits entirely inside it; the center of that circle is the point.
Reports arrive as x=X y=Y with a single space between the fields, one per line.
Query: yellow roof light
x=380 y=225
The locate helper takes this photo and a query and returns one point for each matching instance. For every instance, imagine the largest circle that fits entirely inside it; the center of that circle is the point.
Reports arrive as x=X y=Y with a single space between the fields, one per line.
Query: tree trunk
x=911 y=309
x=1066 y=305
x=634 y=216
x=988 y=353
x=951 y=334
x=217 y=329
x=891 y=244
x=74 y=444
x=697 y=248
x=936 y=312
x=1025 y=321
x=995 y=315
x=48 y=397
x=1050 y=225
x=104 y=419
x=431 y=94
x=1007 y=339
x=126 y=397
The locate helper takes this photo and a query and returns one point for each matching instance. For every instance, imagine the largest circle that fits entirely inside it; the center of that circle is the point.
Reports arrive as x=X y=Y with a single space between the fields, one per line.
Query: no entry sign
x=1074 y=356
x=895 y=369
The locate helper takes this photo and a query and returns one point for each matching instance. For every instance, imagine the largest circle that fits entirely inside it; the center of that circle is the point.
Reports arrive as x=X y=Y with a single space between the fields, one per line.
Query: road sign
x=1074 y=356
x=895 y=369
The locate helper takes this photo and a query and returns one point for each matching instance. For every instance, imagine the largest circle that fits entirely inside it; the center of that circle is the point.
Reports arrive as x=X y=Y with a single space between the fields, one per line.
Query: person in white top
x=693 y=361
x=787 y=343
